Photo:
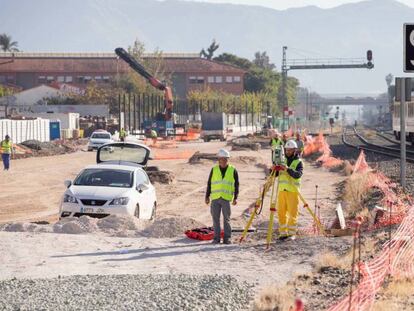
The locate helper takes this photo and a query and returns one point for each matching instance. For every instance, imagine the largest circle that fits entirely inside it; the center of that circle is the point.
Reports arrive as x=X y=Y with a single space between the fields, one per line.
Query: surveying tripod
x=270 y=183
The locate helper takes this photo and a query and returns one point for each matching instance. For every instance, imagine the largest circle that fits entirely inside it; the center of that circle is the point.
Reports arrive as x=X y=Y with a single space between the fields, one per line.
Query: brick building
x=188 y=71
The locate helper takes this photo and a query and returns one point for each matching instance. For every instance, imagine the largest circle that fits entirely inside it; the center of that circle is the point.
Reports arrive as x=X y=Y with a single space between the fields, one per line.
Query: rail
x=359 y=147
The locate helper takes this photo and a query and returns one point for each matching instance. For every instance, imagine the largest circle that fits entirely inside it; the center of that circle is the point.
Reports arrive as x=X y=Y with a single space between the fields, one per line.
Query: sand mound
x=121 y=223
x=113 y=225
x=170 y=227
x=73 y=225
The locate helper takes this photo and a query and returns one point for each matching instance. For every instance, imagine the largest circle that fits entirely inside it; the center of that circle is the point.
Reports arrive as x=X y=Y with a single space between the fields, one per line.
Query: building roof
x=104 y=62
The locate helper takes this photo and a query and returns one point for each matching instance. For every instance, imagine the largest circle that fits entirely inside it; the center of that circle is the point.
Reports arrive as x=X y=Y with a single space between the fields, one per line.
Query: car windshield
x=101 y=136
x=105 y=178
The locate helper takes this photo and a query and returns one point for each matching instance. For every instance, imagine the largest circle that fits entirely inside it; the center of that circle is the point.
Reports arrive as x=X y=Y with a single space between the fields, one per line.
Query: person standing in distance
x=6 y=148
x=222 y=188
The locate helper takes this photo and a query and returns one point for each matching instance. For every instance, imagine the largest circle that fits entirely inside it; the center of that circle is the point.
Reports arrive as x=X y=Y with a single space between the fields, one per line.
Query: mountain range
x=345 y=31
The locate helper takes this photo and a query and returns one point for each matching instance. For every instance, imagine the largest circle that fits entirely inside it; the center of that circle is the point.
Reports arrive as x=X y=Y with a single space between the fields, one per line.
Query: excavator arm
x=132 y=62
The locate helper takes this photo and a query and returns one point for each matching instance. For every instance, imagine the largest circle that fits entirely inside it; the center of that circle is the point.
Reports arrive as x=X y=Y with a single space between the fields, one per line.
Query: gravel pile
x=126 y=292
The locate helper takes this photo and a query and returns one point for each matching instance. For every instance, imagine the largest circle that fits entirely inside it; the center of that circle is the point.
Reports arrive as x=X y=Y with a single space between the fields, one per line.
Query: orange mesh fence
x=395 y=259
x=319 y=144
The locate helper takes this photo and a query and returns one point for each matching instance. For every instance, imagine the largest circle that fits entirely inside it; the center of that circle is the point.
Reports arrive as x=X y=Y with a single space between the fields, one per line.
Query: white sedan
x=117 y=184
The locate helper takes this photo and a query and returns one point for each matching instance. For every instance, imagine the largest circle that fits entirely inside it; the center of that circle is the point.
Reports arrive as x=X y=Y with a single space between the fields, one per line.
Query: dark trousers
x=6 y=160
x=219 y=206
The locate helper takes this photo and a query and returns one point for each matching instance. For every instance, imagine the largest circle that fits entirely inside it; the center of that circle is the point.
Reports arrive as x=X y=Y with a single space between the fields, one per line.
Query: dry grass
x=355 y=193
x=396 y=296
x=274 y=299
x=329 y=259
x=348 y=168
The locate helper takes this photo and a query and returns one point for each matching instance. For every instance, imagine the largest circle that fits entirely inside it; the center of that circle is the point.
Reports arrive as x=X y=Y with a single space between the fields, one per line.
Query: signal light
x=369 y=55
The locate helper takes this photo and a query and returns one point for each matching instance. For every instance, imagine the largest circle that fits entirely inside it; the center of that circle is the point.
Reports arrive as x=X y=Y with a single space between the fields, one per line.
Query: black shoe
x=215 y=242
x=226 y=242
x=282 y=238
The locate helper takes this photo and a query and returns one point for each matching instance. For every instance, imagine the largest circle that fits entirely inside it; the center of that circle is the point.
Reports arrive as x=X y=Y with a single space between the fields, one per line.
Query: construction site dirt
x=33 y=188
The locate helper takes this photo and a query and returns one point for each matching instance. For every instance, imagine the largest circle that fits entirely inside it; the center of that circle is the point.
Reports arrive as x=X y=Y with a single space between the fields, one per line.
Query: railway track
x=374 y=148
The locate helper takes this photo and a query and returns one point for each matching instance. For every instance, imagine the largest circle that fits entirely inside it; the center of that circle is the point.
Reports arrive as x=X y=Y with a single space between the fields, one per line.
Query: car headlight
x=69 y=199
x=119 y=201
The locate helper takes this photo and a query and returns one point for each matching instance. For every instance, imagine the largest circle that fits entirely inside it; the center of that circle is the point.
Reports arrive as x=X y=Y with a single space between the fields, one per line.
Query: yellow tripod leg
x=262 y=193
x=272 y=214
x=249 y=223
x=315 y=219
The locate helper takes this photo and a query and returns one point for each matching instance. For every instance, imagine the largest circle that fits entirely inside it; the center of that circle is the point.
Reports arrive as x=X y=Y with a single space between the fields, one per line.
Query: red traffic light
x=369 y=55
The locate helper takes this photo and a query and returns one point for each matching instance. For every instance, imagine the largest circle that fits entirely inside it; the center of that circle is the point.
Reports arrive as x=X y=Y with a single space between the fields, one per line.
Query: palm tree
x=6 y=43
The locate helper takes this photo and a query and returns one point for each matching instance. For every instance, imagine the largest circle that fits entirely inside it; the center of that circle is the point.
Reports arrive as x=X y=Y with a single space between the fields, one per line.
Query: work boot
x=215 y=242
x=226 y=242
x=283 y=237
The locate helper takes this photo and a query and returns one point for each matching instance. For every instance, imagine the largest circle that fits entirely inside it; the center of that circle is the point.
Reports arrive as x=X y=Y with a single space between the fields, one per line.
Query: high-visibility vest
x=153 y=133
x=222 y=187
x=287 y=182
x=6 y=147
x=277 y=142
x=122 y=134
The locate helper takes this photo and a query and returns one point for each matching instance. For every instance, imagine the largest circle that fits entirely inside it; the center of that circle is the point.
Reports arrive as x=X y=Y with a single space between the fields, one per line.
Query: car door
x=145 y=191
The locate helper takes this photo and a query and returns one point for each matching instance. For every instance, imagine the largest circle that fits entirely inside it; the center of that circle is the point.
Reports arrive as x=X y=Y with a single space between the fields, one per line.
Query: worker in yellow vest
x=6 y=148
x=289 y=186
x=222 y=188
x=122 y=135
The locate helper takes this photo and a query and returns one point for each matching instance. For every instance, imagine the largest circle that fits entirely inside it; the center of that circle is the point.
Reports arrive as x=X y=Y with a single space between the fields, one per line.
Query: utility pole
x=402 y=95
x=402 y=136
x=285 y=103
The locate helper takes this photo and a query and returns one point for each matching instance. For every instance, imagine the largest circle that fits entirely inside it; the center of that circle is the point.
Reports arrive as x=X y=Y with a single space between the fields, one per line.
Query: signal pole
x=285 y=104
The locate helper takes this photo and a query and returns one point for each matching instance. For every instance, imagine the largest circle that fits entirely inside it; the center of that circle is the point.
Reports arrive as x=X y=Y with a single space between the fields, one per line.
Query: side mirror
x=67 y=183
x=142 y=187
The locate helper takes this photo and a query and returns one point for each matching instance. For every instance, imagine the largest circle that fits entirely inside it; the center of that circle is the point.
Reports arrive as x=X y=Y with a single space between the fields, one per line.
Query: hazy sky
x=284 y=4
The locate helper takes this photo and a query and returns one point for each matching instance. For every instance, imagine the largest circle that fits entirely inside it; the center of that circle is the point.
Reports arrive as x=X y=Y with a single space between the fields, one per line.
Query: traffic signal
x=370 y=65
x=369 y=55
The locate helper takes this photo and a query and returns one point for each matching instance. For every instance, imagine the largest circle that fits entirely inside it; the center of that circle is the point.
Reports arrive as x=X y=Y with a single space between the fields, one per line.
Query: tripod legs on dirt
x=273 y=203
x=259 y=203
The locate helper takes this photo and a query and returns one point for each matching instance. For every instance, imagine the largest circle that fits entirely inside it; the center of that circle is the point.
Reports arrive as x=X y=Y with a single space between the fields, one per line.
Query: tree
x=262 y=60
x=210 y=50
x=6 y=43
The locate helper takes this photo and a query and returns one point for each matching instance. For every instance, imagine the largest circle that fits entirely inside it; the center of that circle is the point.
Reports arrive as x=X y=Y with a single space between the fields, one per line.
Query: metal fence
x=134 y=109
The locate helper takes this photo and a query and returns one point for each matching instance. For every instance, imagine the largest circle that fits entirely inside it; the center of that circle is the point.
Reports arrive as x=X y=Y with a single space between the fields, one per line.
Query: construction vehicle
x=163 y=123
x=213 y=126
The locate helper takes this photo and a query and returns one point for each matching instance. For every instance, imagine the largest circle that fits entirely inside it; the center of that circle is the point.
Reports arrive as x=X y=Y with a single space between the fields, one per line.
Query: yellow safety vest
x=122 y=134
x=153 y=134
x=6 y=147
x=222 y=187
x=277 y=142
x=287 y=182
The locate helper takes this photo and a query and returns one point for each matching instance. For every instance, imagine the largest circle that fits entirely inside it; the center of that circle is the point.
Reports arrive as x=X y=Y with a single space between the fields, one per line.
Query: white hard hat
x=291 y=144
x=223 y=153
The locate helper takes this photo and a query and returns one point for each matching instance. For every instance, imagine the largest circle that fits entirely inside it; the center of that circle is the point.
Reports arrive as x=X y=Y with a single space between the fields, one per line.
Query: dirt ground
x=32 y=189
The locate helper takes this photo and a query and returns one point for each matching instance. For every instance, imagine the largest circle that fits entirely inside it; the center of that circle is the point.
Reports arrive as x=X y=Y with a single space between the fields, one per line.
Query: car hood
x=106 y=193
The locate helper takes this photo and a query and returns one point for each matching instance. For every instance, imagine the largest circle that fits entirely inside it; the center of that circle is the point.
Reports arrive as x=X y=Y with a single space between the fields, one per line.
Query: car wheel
x=154 y=211
x=136 y=213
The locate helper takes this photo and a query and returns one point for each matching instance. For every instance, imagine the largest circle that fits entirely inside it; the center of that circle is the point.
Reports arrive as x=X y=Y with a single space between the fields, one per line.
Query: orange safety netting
x=395 y=259
x=396 y=256
x=319 y=144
